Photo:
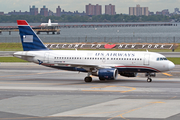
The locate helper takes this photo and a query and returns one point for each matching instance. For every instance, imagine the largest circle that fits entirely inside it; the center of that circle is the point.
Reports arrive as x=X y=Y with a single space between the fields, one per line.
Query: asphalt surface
x=33 y=92
x=167 y=54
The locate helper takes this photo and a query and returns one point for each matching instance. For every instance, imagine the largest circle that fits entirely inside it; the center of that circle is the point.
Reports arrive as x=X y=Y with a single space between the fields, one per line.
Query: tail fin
x=30 y=41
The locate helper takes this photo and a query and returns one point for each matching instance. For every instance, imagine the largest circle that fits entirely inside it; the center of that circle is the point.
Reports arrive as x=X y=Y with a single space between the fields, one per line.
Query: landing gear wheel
x=149 y=80
x=88 y=79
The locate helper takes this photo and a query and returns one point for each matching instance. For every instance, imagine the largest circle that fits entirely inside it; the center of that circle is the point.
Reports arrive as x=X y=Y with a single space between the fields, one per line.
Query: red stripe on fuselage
x=138 y=67
x=22 y=22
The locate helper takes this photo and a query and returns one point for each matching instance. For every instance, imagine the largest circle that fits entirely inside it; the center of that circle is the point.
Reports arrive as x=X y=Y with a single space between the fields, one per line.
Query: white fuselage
x=130 y=61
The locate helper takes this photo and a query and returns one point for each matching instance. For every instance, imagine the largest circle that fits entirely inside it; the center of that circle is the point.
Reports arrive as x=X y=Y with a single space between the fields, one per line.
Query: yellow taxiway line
x=167 y=74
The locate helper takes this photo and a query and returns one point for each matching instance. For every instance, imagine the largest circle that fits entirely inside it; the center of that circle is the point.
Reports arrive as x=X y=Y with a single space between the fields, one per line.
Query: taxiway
x=32 y=92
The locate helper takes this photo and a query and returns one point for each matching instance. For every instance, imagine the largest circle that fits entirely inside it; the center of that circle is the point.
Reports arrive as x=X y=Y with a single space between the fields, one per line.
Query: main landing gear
x=88 y=78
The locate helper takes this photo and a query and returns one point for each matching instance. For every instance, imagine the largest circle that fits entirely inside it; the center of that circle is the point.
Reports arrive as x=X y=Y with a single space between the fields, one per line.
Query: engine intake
x=108 y=74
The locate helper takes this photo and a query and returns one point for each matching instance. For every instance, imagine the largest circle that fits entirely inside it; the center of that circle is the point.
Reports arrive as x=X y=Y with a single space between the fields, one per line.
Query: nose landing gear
x=149 y=75
x=149 y=79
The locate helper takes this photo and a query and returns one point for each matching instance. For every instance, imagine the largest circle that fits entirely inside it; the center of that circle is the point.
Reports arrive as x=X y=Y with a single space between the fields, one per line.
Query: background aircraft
x=104 y=64
x=49 y=23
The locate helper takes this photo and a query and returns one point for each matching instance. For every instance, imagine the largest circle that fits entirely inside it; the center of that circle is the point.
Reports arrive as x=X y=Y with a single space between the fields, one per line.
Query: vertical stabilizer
x=49 y=22
x=30 y=41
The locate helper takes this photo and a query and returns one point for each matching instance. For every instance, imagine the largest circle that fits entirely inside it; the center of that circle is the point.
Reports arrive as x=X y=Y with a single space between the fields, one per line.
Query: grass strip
x=11 y=47
x=176 y=61
x=11 y=59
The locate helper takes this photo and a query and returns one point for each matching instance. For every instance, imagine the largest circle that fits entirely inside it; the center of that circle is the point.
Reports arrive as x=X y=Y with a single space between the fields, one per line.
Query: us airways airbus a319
x=104 y=64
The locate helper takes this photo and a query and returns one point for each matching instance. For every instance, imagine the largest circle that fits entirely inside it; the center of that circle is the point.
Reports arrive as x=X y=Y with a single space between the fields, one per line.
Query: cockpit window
x=160 y=59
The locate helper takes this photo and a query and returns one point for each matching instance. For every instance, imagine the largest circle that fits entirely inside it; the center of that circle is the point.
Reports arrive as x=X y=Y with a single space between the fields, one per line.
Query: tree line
x=98 y=18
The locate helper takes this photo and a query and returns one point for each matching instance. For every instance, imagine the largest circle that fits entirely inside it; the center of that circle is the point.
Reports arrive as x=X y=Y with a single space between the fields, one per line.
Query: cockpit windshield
x=160 y=59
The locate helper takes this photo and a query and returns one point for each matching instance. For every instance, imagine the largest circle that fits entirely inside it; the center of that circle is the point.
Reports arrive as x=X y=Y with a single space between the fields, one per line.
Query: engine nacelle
x=108 y=74
x=128 y=74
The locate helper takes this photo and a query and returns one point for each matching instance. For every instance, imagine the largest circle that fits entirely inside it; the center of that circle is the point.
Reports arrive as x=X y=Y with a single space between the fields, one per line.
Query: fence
x=60 y=39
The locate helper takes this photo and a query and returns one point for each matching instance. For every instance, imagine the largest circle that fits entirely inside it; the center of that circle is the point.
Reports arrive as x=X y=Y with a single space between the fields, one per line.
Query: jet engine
x=108 y=74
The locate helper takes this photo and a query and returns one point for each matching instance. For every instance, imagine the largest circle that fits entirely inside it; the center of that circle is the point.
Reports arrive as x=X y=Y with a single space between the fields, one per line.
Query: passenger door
x=146 y=59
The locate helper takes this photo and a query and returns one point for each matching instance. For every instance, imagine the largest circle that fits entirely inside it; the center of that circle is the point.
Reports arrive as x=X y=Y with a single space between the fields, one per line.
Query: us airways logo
x=40 y=62
x=28 y=38
x=116 y=54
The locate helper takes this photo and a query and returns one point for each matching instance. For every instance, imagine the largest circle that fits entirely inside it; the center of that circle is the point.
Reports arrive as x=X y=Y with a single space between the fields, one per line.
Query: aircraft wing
x=83 y=65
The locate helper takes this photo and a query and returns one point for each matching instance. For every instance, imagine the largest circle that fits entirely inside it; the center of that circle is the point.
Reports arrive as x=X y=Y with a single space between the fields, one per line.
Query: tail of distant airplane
x=30 y=41
x=49 y=22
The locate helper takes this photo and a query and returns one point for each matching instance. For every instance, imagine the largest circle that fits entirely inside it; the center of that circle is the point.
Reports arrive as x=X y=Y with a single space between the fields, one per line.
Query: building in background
x=18 y=13
x=110 y=9
x=151 y=13
x=138 y=11
x=44 y=11
x=158 y=13
x=165 y=12
x=58 y=11
x=93 y=9
x=98 y=9
x=89 y=9
x=1 y=13
x=50 y=13
x=176 y=11
x=33 y=10
x=72 y=13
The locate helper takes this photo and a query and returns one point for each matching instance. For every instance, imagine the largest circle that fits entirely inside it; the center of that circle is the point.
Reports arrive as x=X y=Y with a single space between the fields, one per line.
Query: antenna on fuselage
x=147 y=50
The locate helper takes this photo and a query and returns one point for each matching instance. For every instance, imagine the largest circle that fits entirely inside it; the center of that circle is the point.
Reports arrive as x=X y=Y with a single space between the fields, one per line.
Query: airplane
x=49 y=23
x=104 y=64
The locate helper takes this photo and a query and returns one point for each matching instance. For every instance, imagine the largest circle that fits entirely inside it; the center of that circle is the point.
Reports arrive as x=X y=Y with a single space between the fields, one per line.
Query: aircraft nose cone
x=171 y=65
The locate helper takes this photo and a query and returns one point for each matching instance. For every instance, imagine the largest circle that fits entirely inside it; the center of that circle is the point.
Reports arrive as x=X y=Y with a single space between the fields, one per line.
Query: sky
x=121 y=6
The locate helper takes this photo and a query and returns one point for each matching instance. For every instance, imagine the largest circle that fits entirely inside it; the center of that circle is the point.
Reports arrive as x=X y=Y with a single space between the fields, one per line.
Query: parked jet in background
x=49 y=23
x=104 y=64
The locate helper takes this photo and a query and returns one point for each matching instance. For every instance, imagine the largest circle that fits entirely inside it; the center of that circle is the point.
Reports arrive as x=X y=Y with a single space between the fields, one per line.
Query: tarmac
x=33 y=92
